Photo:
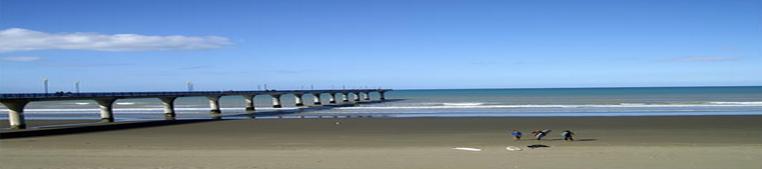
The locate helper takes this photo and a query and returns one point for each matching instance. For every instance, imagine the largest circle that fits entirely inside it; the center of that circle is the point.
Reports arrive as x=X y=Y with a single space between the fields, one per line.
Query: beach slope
x=602 y=142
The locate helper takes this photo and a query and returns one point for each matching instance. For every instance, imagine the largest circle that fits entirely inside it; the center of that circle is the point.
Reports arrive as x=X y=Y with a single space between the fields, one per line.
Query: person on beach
x=568 y=135
x=516 y=134
x=539 y=134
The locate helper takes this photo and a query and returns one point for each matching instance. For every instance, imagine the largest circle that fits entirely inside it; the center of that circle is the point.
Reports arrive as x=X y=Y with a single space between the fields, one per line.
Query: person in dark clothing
x=539 y=134
x=568 y=135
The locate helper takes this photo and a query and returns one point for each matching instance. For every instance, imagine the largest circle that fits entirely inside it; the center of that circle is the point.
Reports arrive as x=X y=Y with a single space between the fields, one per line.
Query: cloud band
x=17 y=39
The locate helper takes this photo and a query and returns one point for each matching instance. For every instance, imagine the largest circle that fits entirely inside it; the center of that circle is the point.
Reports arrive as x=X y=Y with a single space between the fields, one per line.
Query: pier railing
x=64 y=95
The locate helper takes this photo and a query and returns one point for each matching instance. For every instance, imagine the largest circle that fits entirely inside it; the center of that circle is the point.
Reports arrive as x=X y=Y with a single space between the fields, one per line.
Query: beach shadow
x=93 y=127
x=558 y=139
x=122 y=125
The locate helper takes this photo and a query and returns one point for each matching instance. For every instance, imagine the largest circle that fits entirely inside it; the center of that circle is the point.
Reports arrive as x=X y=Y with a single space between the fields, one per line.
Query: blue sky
x=237 y=45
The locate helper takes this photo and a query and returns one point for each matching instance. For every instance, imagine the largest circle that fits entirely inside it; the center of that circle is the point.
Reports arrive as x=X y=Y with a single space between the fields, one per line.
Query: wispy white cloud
x=21 y=58
x=705 y=59
x=18 y=39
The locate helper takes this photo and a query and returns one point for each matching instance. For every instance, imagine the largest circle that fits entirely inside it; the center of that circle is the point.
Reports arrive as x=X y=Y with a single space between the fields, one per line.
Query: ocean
x=640 y=101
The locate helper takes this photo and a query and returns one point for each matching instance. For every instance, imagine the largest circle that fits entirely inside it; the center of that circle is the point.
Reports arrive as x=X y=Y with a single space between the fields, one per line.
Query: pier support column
x=276 y=101
x=249 y=99
x=298 y=99
x=169 y=107
x=366 y=96
x=214 y=105
x=381 y=95
x=332 y=99
x=107 y=109
x=344 y=97
x=16 y=113
x=316 y=99
x=356 y=97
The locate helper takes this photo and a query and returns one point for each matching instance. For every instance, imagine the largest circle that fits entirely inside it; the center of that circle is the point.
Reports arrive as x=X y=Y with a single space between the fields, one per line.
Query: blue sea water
x=643 y=101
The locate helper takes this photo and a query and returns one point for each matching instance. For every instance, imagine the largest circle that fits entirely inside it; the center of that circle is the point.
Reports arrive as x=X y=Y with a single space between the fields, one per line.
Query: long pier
x=16 y=102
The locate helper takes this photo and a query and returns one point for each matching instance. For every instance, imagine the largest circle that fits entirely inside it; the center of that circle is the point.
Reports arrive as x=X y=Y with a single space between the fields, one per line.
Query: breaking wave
x=462 y=104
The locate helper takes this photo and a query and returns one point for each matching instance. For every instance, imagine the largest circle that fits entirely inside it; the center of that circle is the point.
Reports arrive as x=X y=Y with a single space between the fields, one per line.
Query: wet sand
x=603 y=142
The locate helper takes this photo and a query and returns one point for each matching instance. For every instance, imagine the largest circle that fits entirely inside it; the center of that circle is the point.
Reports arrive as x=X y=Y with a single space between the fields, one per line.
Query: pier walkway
x=17 y=101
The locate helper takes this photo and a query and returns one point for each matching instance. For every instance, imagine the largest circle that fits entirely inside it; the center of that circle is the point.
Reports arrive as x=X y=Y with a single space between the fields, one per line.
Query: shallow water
x=660 y=101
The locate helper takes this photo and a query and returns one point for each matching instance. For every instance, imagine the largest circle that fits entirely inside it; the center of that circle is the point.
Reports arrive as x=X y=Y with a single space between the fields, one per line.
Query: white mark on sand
x=466 y=149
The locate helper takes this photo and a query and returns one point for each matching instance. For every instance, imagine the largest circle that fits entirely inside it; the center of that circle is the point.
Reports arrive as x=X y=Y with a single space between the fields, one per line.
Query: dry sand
x=606 y=142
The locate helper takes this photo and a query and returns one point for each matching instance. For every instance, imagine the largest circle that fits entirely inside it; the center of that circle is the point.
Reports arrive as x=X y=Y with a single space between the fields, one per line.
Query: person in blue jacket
x=516 y=134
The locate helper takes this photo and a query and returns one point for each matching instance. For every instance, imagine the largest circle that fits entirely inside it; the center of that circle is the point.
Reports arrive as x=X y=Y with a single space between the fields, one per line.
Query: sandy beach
x=383 y=84
x=603 y=142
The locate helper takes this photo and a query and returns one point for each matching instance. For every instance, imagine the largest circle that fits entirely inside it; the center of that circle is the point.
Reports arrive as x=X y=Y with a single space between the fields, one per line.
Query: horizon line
x=591 y=87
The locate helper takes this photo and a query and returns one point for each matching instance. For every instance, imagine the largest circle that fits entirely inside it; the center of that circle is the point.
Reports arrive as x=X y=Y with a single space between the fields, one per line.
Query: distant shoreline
x=592 y=87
